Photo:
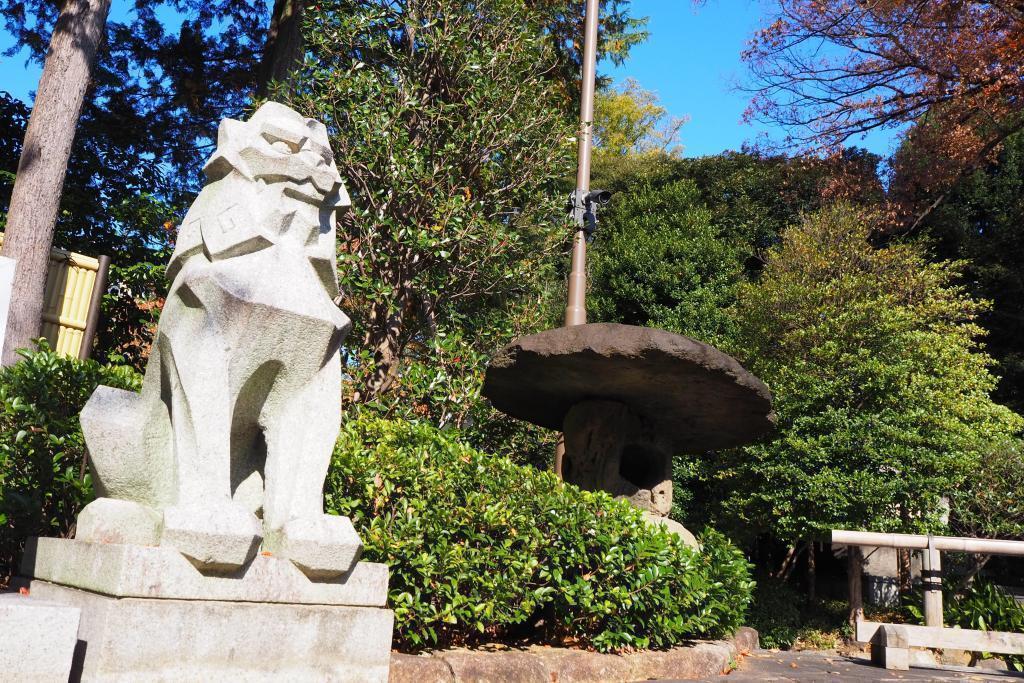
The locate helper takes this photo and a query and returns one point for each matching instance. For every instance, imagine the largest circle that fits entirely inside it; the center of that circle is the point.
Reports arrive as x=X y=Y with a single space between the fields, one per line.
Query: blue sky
x=691 y=60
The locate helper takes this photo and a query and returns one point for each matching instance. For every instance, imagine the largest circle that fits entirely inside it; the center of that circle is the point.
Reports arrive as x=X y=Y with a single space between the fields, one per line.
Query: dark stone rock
x=699 y=397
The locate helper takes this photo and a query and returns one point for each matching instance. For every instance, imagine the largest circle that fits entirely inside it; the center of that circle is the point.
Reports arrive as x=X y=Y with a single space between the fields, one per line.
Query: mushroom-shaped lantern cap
x=697 y=396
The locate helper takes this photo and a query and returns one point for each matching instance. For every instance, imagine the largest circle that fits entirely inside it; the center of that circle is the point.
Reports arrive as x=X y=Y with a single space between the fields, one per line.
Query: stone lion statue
x=226 y=448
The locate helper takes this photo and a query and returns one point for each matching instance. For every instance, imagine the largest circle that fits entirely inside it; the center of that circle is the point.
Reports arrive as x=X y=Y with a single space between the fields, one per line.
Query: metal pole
x=576 y=305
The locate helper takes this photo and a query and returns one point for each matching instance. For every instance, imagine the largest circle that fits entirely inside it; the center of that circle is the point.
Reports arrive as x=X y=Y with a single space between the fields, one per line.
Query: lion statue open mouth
x=227 y=446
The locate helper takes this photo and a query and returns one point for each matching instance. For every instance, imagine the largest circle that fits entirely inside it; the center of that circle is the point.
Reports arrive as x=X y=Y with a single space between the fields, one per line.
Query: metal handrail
x=932 y=546
x=960 y=544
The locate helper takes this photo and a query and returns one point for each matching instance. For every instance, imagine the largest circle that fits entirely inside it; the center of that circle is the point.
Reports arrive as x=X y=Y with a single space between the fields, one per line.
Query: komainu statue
x=226 y=448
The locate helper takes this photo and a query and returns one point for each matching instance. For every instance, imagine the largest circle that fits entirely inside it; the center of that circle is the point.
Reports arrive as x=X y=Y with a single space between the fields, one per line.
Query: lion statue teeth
x=226 y=447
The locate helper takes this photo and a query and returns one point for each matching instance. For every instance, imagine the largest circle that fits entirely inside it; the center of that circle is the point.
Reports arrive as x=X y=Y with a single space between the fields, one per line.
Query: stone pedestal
x=149 y=614
x=608 y=447
x=890 y=648
x=39 y=639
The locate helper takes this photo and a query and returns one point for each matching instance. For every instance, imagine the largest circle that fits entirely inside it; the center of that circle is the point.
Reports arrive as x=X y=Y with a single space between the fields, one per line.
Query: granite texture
x=161 y=572
x=139 y=639
x=230 y=438
x=38 y=639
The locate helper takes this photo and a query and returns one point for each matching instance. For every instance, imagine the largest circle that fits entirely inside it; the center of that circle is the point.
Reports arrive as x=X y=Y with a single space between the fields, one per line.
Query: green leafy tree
x=165 y=74
x=882 y=390
x=755 y=195
x=661 y=262
x=751 y=196
x=981 y=222
x=44 y=478
x=991 y=503
x=629 y=121
x=680 y=234
x=449 y=136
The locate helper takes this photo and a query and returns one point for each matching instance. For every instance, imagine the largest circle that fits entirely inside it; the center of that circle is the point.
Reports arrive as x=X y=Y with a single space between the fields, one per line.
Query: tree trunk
x=855 y=574
x=812 y=573
x=976 y=566
x=789 y=562
x=44 y=162
x=384 y=336
x=284 y=48
x=905 y=566
x=903 y=559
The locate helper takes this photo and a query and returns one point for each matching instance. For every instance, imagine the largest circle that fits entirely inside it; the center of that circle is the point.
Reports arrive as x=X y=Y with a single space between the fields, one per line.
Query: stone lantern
x=627 y=400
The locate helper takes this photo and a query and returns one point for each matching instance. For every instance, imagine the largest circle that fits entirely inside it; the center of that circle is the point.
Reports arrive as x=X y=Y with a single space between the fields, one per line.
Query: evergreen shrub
x=481 y=549
x=44 y=479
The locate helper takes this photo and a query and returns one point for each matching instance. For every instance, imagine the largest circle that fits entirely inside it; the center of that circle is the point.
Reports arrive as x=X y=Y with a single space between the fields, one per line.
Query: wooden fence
x=75 y=285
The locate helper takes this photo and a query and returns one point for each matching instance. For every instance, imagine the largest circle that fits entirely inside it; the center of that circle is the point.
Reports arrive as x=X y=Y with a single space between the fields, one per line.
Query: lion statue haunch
x=228 y=444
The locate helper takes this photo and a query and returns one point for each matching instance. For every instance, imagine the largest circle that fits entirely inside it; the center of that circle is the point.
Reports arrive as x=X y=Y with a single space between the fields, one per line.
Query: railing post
x=931 y=578
x=855 y=572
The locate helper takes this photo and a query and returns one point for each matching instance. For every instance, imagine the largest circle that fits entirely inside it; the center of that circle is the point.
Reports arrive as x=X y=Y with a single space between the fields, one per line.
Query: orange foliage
x=949 y=73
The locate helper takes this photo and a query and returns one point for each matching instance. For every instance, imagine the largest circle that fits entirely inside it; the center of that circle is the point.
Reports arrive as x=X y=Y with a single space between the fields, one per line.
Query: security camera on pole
x=627 y=399
x=583 y=202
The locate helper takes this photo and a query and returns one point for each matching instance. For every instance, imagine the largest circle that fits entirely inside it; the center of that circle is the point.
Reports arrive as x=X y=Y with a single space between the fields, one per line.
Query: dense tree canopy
x=660 y=261
x=750 y=197
x=882 y=390
x=167 y=73
x=449 y=137
x=982 y=223
x=158 y=90
x=871 y=346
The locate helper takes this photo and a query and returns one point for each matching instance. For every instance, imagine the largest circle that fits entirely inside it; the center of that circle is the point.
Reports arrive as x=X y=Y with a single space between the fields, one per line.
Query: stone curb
x=563 y=665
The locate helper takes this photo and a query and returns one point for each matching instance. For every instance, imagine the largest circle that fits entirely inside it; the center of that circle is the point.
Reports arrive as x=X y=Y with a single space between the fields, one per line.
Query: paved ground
x=765 y=665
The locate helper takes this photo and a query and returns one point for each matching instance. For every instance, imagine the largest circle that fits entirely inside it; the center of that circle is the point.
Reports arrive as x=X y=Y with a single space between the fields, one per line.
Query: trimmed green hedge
x=481 y=549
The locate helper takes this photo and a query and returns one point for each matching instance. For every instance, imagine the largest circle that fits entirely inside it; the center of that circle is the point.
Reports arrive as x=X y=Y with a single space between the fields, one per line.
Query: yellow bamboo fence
x=72 y=301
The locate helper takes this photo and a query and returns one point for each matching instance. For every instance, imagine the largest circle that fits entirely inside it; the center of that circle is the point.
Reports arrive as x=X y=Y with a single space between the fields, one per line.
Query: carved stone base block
x=148 y=614
x=144 y=639
x=38 y=641
x=608 y=447
x=133 y=571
